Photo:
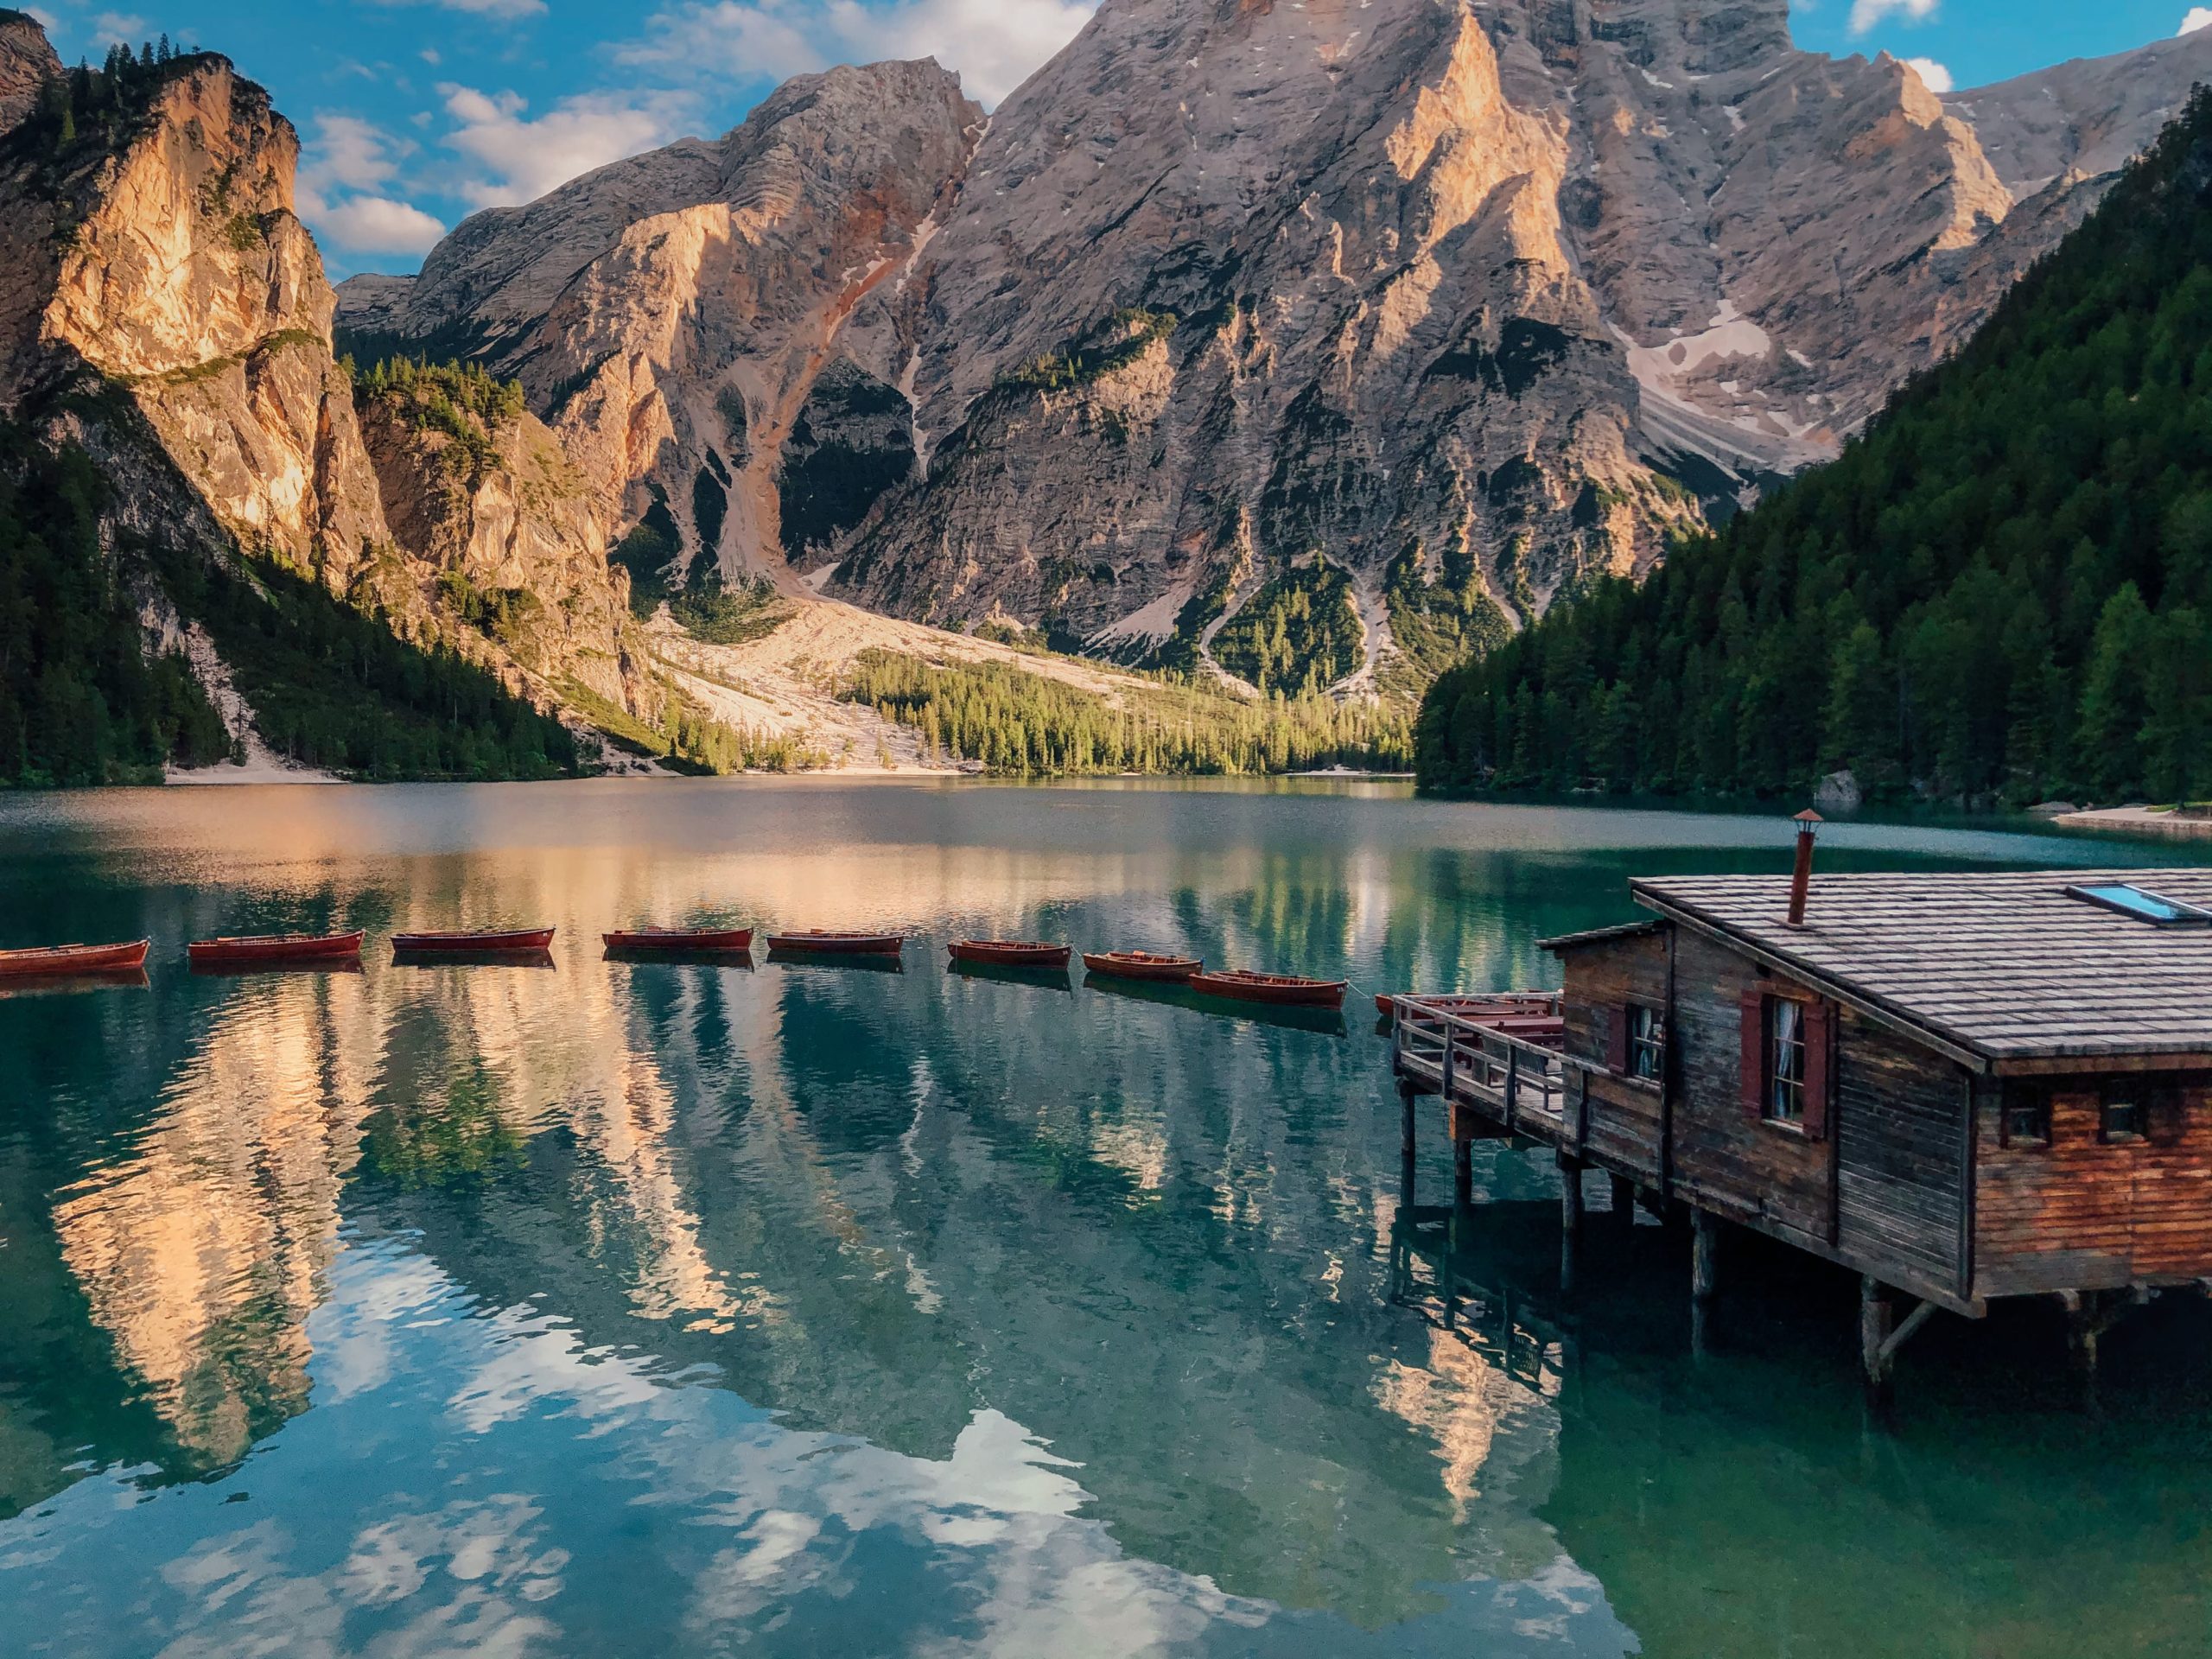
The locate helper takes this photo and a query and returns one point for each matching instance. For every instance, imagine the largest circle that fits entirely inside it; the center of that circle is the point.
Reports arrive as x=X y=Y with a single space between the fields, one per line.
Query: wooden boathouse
x=1961 y=1087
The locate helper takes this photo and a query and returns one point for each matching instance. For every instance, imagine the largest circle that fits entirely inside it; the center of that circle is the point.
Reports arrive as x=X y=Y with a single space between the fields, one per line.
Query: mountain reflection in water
x=643 y=1307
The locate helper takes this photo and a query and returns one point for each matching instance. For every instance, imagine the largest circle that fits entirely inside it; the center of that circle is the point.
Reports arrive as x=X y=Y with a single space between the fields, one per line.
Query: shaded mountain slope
x=2003 y=590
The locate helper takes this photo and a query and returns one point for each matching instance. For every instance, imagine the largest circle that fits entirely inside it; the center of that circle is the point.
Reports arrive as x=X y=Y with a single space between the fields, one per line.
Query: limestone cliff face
x=1317 y=299
x=510 y=536
x=1471 y=284
x=1469 y=300
x=151 y=251
x=184 y=275
x=671 y=315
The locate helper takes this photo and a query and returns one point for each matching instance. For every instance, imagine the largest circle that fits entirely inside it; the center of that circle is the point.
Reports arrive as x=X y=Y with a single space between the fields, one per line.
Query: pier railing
x=1467 y=1056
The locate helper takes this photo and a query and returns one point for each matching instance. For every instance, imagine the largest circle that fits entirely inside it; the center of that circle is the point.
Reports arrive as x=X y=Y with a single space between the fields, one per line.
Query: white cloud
x=479 y=8
x=344 y=189
x=349 y=153
x=110 y=27
x=523 y=158
x=2199 y=17
x=1866 y=14
x=378 y=225
x=1933 y=75
x=995 y=45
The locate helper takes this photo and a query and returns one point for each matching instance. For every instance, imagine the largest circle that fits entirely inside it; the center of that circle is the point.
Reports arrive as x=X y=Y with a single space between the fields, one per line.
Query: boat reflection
x=865 y=962
x=737 y=961
x=1324 y=1022
x=421 y=959
x=335 y=965
x=1042 y=979
x=129 y=979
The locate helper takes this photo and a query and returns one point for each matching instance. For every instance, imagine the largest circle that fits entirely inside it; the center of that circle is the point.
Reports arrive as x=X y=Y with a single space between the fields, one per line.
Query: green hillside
x=82 y=701
x=79 y=701
x=2001 y=592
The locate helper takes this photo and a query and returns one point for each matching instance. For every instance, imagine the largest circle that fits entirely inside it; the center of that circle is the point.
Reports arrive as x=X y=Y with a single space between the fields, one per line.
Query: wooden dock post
x=1408 y=1148
x=1881 y=1334
x=1463 y=1170
x=1705 y=1255
x=1624 y=1201
x=1570 y=1220
x=2089 y=1315
x=1876 y=1323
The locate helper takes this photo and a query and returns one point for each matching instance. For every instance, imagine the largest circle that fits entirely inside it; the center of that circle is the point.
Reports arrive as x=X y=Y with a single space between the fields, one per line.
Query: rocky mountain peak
x=1459 y=300
x=670 y=315
x=150 y=256
x=193 y=252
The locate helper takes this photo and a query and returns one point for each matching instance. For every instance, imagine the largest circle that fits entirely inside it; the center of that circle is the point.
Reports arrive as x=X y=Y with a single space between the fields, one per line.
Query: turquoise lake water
x=613 y=1310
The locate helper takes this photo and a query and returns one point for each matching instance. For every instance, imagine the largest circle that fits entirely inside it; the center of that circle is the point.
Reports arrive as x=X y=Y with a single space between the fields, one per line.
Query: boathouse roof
x=1993 y=968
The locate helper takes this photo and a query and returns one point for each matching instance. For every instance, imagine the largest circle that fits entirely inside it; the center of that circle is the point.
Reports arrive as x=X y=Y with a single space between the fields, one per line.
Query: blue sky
x=416 y=112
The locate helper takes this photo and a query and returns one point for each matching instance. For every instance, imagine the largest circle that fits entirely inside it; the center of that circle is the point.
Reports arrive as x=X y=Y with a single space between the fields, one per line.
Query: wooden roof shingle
x=2007 y=967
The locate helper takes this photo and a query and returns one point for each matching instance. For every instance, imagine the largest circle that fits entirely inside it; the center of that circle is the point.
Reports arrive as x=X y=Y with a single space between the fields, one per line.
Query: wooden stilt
x=1881 y=1334
x=1877 y=1321
x=1447 y=1283
x=2089 y=1315
x=1624 y=1201
x=1705 y=1255
x=1406 y=1095
x=1463 y=1173
x=1570 y=1195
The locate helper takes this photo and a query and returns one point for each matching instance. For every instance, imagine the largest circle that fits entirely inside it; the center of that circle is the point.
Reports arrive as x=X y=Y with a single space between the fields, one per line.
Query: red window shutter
x=1753 y=1076
x=1820 y=1054
x=1616 y=1042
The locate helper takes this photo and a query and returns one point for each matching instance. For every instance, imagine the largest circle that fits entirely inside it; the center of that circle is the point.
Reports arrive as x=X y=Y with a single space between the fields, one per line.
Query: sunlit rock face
x=1500 y=296
x=173 y=266
x=1469 y=282
x=163 y=306
x=670 y=315
x=507 y=514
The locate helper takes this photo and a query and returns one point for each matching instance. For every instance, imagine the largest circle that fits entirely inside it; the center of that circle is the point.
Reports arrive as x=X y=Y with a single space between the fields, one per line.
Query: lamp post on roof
x=1808 y=824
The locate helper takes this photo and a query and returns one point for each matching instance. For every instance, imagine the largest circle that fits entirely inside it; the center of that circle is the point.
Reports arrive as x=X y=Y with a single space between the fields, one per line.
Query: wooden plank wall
x=1725 y=1159
x=2080 y=1215
x=1624 y=1119
x=1901 y=1176
x=1884 y=1190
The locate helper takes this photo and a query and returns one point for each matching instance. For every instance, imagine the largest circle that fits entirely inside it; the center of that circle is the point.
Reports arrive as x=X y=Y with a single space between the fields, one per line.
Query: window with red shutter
x=1752 y=1075
x=1820 y=1060
x=1647 y=1043
x=1786 y=1054
x=1616 y=1040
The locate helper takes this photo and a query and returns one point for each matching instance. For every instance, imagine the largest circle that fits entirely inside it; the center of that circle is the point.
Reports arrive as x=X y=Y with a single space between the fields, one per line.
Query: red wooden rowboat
x=816 y=943
x=443 y=944
x=1007 y=953
x=1143 y=965
x=274 y=948
x=57 y=961
x=682 y=938
x=1281 y=990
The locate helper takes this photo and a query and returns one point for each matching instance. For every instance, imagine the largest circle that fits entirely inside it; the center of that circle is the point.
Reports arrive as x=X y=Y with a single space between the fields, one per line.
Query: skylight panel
x=2141 y=904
